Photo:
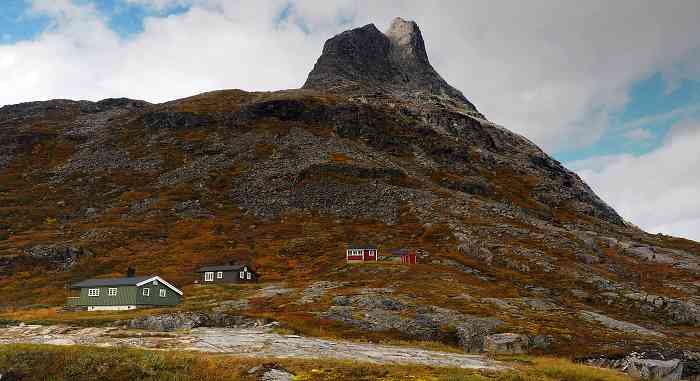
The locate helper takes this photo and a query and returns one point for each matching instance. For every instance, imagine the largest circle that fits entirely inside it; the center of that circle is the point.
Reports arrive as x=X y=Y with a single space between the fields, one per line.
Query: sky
x=611 y=89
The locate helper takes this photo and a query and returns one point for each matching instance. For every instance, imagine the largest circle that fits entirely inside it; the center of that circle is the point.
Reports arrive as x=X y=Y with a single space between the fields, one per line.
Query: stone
x=665 y=370
x=472 y=332
x=506 y=343
x=271 y=372
x=663 y=365
x=541 y=341
x=60 y=341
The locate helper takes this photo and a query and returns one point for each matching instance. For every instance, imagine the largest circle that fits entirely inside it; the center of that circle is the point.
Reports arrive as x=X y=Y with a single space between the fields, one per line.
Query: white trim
x=111 y=308
x=94 y=292
x=247 y=276
x=219 y=275
x=208 y=276
x=111 y=291
x=163 y=293
x=177 y=290
x=146 y=291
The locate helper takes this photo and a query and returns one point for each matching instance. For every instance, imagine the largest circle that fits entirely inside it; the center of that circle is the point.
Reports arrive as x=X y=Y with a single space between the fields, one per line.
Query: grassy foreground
x=40 y=362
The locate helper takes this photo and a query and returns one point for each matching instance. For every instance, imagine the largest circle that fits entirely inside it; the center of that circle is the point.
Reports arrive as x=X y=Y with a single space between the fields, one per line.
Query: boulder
x=506 y=343
x=271 y=372
x=664 y=370
x=658 y=364
x=471 y=333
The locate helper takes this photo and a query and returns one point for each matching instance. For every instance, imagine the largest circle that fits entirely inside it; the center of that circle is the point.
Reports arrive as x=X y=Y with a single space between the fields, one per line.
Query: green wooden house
x=125 y=293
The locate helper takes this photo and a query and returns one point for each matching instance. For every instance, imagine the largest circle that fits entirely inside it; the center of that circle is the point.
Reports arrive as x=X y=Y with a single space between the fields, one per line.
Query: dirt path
x=241 y=342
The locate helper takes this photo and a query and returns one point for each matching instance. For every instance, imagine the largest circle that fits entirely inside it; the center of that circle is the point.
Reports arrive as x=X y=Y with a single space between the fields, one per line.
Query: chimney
x=131 y=272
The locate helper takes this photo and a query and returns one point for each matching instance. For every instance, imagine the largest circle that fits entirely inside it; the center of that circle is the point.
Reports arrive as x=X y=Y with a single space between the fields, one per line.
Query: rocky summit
x=515 y=253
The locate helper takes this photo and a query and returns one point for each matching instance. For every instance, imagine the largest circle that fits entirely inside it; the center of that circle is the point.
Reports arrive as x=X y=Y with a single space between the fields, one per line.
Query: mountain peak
x=407 y=42
x=365 y=60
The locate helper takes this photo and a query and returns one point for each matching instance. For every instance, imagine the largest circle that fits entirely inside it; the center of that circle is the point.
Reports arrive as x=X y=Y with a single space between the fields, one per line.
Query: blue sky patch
x=19 y=23
x=643 y=123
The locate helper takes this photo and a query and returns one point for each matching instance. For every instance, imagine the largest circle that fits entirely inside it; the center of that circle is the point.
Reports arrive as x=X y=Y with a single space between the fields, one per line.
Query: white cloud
x=639 y=135
x=682 y=113
x=659 y=191
x=551 y=71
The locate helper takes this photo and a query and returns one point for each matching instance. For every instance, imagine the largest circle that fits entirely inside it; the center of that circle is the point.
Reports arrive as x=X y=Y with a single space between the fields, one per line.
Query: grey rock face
x=189 y=320
x=316 y=290
x=653 y=364
x=617 y=324
x=61 y=256
x=384 y=313
x=472 y=332
x=365 y=59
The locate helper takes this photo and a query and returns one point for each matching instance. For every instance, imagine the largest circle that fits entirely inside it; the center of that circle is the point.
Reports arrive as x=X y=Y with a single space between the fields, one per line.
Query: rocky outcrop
x=61 y=256
x=189 y=320
x=472 y=332
x=385 y=313
x=617 y=324
x=653 y=364
x=675 y=311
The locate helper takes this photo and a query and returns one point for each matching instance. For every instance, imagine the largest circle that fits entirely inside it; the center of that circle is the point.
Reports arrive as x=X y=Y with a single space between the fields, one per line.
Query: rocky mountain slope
x=375 y=147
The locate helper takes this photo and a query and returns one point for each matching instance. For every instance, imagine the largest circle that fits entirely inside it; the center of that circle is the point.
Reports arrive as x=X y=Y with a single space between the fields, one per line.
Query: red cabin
x=408 y=258
x=362 y=253
x=404 y=256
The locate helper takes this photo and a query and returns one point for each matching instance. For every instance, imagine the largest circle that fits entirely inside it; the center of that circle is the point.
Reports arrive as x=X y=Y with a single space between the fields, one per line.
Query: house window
x=112 y=292
x=163 y=293
x=209 y=276
x=146 y=292
x=219 y=275
x=242 y=274
x=247 y=276
x=155 y=282
x=94 y=292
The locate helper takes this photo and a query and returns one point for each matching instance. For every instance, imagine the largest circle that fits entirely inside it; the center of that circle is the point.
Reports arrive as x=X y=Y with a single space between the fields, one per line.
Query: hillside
x=377 y=148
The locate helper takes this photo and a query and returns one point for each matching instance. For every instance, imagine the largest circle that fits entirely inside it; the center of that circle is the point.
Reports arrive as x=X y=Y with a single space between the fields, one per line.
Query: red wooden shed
x=361 y=253
x=404 y=255
x=408 y=258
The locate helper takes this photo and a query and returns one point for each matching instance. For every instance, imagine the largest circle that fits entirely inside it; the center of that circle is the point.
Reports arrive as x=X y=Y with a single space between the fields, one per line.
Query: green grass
x=76 y=363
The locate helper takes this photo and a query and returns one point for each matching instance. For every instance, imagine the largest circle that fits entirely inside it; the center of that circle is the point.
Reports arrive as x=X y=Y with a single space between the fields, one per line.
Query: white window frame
x=112 y=292
x=219 y=275
x=163 y=293
x=146 y=291
x=241 y=275
x=247 y=276
x=95 y=292
x=209 y=276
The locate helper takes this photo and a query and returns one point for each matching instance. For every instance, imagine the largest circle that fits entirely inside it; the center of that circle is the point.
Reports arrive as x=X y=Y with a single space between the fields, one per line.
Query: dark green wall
x=130 y=295
x=126 y=295
x=171 y=297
